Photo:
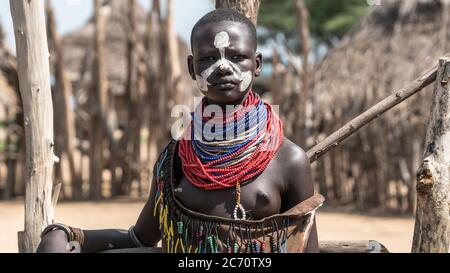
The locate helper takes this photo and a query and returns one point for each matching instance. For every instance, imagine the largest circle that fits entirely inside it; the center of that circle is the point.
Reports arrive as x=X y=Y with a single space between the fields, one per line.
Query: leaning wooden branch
x=375 y=111
x=433 y=178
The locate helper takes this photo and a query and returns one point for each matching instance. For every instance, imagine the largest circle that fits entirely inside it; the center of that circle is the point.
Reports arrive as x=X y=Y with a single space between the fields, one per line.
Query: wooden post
x=249 y=8
x=100 y=93
x=174 y=65
x=65 y=128
x=132 y=152
x=34 y=74
x=302 y=96
x=153 y=86
x=433 y=178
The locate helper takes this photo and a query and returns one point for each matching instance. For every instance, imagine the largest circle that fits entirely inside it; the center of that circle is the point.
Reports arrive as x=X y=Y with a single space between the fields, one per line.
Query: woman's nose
x=224 y=70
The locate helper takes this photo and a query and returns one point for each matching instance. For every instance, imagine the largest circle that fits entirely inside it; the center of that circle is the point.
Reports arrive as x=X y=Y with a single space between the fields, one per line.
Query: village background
x=108 y=130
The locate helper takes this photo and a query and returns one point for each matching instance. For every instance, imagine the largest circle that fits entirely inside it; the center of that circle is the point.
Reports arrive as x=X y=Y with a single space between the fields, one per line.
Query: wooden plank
x=368 y=246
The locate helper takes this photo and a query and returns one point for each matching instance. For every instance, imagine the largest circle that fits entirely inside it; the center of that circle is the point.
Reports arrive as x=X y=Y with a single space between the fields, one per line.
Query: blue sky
x=71 y=14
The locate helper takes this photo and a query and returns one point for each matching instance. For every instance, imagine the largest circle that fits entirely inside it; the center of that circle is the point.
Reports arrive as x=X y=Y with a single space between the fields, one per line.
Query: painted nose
x=224 y=70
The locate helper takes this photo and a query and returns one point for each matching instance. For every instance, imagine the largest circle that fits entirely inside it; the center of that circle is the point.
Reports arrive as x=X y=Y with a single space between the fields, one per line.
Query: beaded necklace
x=238 y=149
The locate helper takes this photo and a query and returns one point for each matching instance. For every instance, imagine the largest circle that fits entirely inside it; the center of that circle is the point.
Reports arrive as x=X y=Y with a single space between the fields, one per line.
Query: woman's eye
x=238 y=57
x=209 y=58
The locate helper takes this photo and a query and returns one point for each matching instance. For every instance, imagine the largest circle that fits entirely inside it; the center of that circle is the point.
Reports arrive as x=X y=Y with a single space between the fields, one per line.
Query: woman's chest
x=260 y=198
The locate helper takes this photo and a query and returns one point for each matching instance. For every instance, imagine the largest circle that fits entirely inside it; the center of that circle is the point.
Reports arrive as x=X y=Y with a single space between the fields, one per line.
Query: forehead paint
x=221 y=42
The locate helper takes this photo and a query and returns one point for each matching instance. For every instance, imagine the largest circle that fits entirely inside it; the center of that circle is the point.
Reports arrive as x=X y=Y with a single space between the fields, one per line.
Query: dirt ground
x=394 y=232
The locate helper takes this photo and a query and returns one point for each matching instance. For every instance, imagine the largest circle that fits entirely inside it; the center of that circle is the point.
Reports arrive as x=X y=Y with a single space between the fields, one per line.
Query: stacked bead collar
x=236 y=147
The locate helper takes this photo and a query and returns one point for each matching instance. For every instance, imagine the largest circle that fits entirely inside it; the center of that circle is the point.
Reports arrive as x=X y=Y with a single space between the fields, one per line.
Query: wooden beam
x=34 y=82
x=367 y=246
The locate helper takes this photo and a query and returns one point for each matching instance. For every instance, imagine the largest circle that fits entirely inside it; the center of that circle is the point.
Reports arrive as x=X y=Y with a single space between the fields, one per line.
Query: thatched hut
x=78 y=51
x=388 y=49
x=11 y=128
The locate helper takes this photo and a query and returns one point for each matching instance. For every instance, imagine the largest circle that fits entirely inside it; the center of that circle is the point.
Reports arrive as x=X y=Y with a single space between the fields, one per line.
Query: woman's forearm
x=101 y=240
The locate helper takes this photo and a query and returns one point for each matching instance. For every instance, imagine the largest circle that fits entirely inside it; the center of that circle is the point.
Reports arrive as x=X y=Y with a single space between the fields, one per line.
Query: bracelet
x=73 y=234
x=62 y=227
x=78 y=235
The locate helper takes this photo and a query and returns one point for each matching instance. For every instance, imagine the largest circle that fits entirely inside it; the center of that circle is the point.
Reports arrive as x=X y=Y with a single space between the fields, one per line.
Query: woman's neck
x=223 y=105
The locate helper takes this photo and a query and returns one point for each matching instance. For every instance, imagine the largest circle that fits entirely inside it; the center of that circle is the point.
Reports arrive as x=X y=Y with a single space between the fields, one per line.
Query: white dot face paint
x=246 y=80
x=221 y=42
x=202 y=83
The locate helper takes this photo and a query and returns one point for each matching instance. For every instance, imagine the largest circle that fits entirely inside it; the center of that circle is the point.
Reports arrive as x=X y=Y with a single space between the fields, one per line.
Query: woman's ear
x=258 y=64
x=190 y=63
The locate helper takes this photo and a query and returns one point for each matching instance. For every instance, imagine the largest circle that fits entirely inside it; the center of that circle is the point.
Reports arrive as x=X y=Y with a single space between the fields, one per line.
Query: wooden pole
x=249 y=8
x=153 y=86
x=174 y=65
x=375 y=111
x=302 y=96
x=34 y=74
x=100 y=94
x=433 y=178
x=65 y=127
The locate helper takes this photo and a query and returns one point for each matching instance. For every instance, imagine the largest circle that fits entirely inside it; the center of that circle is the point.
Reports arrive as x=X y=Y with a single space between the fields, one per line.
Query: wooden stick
x=374 y=112
x=65 y=125
x=302 y=96
x=34 y=74
x=433 y=179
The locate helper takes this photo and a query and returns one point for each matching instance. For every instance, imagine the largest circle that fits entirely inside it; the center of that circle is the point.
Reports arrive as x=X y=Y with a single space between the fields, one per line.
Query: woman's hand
x=56 y=242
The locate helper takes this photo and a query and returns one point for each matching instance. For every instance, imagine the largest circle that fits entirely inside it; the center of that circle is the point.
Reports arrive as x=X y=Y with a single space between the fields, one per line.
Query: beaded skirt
x=187 y=231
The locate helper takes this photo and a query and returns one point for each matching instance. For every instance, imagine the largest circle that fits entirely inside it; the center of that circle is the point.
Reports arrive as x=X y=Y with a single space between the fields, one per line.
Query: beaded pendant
x=238 y=208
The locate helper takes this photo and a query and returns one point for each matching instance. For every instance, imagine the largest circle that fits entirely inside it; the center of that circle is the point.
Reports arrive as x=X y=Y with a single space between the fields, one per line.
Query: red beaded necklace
x=213 y=175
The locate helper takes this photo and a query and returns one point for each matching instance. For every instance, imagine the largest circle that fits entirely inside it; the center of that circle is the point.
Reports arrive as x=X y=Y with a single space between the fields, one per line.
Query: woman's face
x=224 y=61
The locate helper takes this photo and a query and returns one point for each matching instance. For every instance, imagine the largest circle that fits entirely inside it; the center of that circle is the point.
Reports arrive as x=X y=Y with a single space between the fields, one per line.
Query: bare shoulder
x=297 y=172
x=292 y=155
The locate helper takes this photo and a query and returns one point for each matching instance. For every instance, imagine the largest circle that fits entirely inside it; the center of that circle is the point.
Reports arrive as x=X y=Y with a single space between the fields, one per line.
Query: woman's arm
x=300 y=188
x=146 y=231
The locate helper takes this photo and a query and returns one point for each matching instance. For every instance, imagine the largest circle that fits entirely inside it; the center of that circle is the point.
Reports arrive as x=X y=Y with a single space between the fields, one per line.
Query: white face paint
x=221 y=42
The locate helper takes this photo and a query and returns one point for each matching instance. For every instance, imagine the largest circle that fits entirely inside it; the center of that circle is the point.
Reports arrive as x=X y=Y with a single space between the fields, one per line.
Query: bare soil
x=395 y=232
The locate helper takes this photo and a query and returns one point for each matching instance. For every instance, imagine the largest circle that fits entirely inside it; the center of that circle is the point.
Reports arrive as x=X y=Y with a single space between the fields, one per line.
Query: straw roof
x=78 y=48
x=392 y=46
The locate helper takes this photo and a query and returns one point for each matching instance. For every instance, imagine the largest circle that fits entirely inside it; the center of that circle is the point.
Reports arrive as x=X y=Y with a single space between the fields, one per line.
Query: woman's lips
x=225 y=85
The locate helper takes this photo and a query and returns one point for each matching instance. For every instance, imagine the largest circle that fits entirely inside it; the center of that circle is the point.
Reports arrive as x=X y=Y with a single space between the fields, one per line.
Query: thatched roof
x=78 y=47
x=393 y=45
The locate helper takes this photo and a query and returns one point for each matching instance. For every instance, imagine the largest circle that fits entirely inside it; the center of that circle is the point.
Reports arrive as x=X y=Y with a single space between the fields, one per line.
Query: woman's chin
x=225 y=96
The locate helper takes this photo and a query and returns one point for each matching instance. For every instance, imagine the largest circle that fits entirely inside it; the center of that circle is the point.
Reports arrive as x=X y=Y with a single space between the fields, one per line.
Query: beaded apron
x=186 y=231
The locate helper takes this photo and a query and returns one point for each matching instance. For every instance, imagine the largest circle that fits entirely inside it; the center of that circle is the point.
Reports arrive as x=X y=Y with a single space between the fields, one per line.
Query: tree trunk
x=65 y=128
x=34 y=74
x=100 y=94
x=249 y=8
x=432 y=216
x=303 y=95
